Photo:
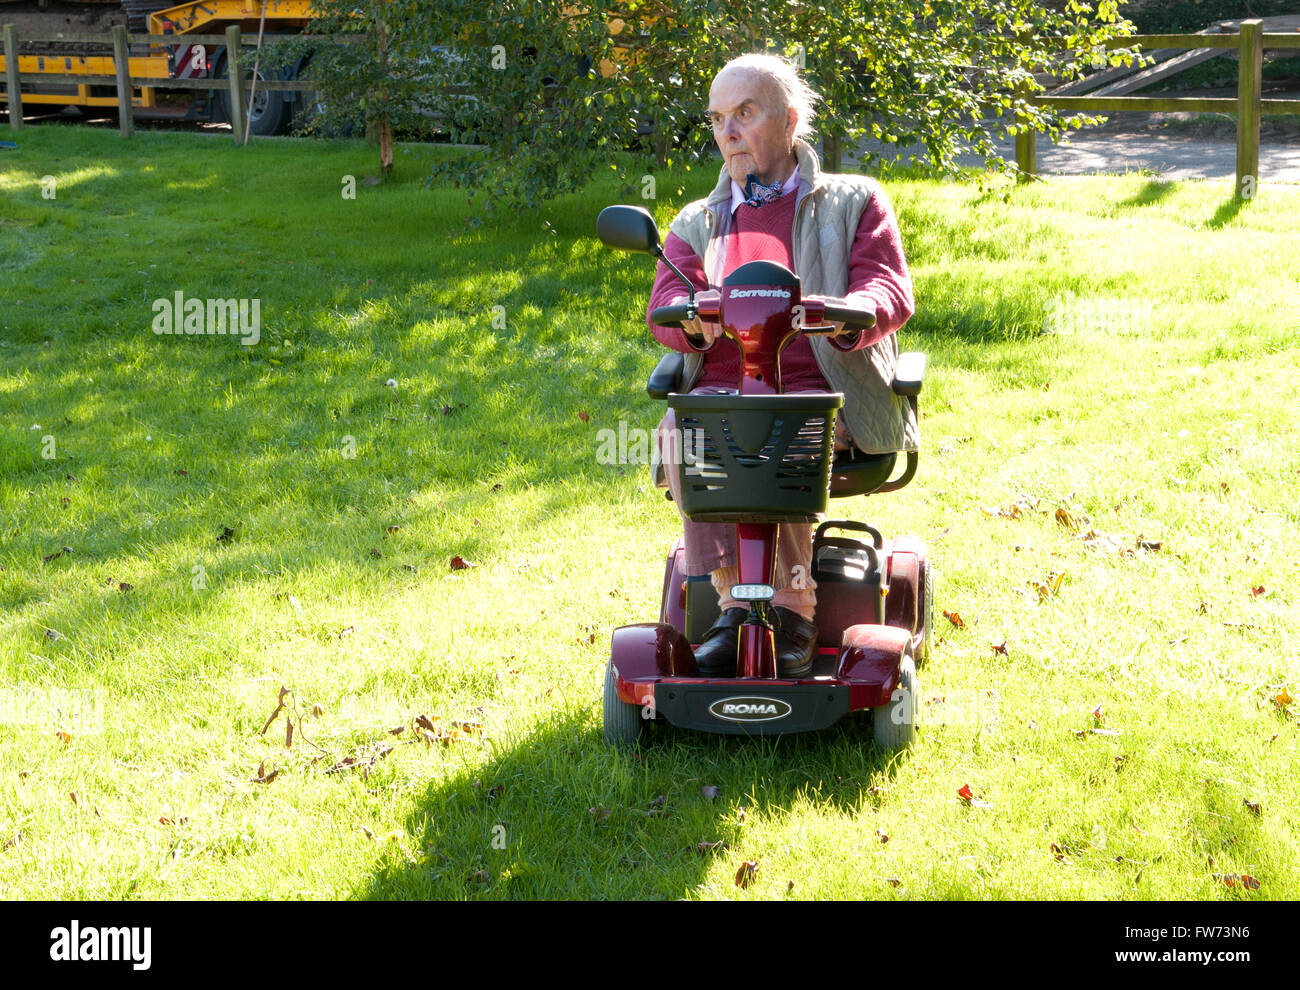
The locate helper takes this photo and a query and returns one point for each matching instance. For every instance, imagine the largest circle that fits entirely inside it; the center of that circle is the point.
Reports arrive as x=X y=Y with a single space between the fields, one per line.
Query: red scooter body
x=868 y=631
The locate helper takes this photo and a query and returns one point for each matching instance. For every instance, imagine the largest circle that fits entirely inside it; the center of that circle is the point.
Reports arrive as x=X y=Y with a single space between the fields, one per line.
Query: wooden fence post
x=236 y=75
x=1250 y=84
x=122 y=66
x=1026 y=140
x=12 y=88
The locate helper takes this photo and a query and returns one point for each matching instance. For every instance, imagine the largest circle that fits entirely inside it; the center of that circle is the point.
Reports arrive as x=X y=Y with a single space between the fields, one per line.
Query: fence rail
x=239 y=85
x=1249 y=106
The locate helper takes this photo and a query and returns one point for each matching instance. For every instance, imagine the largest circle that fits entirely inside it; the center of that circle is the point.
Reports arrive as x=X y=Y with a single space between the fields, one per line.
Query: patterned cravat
x=756 y=194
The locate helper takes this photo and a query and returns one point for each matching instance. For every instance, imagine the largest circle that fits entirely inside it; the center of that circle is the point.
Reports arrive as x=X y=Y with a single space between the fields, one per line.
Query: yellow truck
x=61 y=52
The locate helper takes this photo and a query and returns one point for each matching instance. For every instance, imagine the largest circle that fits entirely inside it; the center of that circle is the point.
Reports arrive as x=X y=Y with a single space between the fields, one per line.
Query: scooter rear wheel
x=623 y=722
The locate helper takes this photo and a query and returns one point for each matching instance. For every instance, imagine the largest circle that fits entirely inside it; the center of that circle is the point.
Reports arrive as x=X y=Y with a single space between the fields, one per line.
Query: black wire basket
x=755 y=458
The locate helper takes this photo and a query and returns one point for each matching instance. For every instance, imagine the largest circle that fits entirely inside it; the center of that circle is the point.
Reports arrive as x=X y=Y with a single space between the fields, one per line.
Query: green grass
x=1175 y=424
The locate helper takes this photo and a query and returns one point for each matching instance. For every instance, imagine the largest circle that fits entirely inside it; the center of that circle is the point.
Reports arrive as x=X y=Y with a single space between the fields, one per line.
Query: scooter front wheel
x=893 y=724
x=623 y=722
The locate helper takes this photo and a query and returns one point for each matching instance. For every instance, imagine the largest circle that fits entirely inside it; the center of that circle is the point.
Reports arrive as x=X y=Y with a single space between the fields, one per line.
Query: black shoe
x=796 y=643
x=716 y=655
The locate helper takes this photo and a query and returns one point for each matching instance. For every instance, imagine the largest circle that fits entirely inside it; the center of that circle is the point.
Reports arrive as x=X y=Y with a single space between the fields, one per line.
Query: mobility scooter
x=762 y=458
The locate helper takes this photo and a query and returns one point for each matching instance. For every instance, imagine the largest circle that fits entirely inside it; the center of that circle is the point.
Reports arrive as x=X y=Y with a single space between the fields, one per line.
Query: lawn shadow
x=1154 y=191
x=1227 y=213
x=559 y=814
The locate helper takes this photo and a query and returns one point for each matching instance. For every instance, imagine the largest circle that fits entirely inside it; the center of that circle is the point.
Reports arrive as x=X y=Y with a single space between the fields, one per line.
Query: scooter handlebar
x=819 y=309
x=669 y=316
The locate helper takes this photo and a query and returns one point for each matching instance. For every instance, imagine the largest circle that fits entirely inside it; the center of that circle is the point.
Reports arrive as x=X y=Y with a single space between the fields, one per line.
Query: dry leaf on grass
x=459 y=563
x=1050 y=585
x=747 y=873
x=955 y=618
x=262 y=776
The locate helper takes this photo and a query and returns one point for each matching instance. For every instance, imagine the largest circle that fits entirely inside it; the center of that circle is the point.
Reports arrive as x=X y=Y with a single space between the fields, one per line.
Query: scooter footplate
x=746 y=709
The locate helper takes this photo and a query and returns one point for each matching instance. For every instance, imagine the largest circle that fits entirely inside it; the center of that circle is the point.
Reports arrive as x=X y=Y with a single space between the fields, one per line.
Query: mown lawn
x=1107 y=483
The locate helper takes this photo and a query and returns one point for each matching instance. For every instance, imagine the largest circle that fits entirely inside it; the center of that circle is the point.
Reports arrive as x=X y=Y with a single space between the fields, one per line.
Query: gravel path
x=1175 y=146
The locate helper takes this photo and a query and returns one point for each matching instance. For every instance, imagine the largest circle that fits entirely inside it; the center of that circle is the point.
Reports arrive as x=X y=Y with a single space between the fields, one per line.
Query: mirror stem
x=691 y=311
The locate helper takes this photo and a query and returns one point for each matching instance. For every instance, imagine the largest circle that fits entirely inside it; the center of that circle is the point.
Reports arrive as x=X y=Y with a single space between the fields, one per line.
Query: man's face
x=753 y=132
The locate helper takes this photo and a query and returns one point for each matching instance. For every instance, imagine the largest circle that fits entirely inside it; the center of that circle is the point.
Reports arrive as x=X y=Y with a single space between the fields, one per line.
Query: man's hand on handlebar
x=701 y=334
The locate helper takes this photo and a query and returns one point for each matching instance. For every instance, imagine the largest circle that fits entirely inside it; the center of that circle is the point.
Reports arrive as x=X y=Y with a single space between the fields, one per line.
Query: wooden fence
x=238 y=85
x=1249 y=106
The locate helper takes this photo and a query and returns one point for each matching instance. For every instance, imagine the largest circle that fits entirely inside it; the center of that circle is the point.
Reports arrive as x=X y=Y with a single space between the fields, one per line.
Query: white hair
x=787 y=82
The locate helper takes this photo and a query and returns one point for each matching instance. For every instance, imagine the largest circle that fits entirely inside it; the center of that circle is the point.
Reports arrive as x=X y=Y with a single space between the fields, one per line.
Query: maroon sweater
x=878 y=278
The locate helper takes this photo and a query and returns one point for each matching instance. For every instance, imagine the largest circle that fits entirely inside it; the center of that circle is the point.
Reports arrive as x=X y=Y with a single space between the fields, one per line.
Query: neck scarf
x=757 y=194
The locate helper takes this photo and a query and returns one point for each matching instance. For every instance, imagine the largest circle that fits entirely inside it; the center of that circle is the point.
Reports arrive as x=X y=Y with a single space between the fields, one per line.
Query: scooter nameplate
x=745 y=708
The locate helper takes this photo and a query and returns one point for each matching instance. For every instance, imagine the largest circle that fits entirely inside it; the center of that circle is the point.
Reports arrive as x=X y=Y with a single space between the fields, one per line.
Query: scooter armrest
x=667 y=375
x=909 y=373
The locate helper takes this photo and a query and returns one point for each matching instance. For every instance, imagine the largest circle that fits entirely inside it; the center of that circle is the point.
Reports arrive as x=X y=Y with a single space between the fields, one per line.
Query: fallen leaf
x=288 y=733
x=226 y=535
x=882 y=836
x=747 y=872
x=459 y=563
x=1257 y=590
x=999 y=645
x=955 y=618
x=12 y=841
x=1150 y=545
x=893 y=881
x=263 y=777
x=971 y=798
x=1249 y=882
x=64 y=736
x=1253 y=807
x=965 y=793
x=1050 y=585
x=582 y=415
x=1282 y=698
x=1065 y=518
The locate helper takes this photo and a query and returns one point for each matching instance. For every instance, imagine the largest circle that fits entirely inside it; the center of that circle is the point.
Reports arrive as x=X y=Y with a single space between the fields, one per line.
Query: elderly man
x=839 y=234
